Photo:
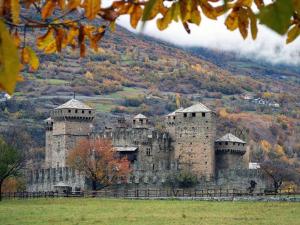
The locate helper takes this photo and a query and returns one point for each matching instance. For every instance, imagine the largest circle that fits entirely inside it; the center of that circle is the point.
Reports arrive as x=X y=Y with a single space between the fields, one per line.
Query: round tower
x=229 y=152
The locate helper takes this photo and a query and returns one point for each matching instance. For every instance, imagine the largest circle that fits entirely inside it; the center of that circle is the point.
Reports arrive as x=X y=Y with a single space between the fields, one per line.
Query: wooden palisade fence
x=150 y=193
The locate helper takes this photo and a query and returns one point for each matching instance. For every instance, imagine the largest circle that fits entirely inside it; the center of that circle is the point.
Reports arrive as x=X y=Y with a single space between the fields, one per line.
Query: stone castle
x=187 y=142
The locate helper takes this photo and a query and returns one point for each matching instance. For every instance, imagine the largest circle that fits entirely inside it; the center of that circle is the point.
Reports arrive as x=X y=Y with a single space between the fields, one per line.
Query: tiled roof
x=230 y=138
x=196 y=108
x=73 y=104
x=173 y=113
x=140 y=116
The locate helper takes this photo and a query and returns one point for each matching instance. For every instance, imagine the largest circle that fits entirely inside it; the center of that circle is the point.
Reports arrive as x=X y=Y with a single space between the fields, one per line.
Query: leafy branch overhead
x=63 y=23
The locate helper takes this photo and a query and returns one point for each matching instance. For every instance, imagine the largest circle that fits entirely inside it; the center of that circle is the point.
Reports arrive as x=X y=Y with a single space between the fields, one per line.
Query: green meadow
x=89 y=211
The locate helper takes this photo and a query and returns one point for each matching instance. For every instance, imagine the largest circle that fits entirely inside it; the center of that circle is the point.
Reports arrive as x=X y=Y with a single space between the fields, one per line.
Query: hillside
x=133 y=73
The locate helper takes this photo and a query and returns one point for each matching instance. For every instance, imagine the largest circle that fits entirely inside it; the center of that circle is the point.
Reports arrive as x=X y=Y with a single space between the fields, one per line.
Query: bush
x=183 y=179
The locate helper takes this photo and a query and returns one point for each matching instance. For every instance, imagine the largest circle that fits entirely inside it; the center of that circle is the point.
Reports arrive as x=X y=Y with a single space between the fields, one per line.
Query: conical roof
x=196 y=108
x=230 y=138
x=73 y=104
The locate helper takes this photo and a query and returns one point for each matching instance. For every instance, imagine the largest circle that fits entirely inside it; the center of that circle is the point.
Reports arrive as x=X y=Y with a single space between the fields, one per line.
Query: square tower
x=69 y=123
x=195 y=133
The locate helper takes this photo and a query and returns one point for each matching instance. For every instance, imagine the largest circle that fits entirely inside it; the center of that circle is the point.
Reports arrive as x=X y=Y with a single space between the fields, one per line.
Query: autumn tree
x=11 y=162
x=281 y=171
x=73 y=23
x=277 y=165
x=99 y=162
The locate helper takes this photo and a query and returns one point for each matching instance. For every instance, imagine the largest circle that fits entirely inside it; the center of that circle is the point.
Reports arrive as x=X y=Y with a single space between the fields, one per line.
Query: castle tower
x=49 y=133
x=140 y=121
x=71 y=122
x=229 y=152
x=195 y=135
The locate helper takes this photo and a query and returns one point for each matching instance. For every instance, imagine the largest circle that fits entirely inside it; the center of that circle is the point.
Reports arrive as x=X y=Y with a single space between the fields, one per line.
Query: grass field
x=145 y=212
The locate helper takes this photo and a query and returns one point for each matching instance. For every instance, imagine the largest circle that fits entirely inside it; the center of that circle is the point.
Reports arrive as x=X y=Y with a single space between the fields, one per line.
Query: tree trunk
x=277 y=185
x=94 y=185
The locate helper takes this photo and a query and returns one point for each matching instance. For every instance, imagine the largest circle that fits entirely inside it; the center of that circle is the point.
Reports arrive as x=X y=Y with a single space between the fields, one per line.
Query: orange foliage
x=223 y=113
x=266 y=146
x=10 y=185
x=99 y=161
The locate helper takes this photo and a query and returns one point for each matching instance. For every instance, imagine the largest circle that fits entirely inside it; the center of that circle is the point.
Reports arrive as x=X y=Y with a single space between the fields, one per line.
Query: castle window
x=238 y=144
x=69 y=111
x=148 y=151
x=233 y=143
x=220 y=143
x=243 y=144
x=153 y=167
x=193 y=114
x=226 y=143
x=90 y=112
x=184 y=114
x=83 y=111
x=203 y=114
x=133 y=121
x=76 y=111
x=173 y=117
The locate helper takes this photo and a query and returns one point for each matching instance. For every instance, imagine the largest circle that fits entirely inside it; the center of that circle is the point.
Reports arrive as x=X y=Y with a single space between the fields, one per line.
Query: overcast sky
x=213 y=34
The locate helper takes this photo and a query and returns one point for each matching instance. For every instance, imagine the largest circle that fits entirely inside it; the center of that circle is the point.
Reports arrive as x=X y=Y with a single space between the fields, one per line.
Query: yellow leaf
x=70 y=37
x=50 y=48
x=253 y=24
x=48 y=8
x=15 y=11
x=243 y=22
x=33 y=59
x=247 y=3
x=232 y=21
x=62 y=4
x=293 y=34
x=176 y=14
x=152 y=9
x=9 y=61
x=209 y=11
x=185 y=9
x=164 y=22
x=73 y=4
x=296 y=4
x=46 y=40
x=136 y=15
x=92 y=8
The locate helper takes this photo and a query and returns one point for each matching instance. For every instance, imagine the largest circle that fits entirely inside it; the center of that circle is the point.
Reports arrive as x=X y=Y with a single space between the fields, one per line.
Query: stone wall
x=46 y=179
